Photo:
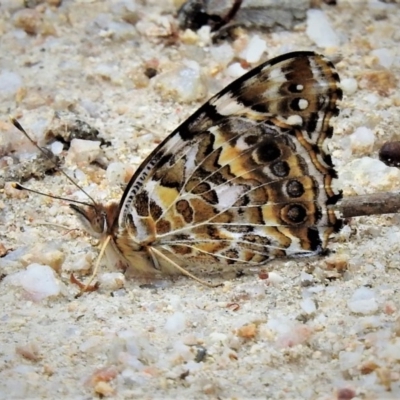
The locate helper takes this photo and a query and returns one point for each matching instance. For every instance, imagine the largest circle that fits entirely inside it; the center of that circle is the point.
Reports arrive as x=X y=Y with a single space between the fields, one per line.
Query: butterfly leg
x=158 y=254
x=87 y=287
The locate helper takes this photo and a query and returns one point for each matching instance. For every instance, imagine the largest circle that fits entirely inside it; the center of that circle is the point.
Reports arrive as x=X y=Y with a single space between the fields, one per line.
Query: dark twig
x=369 y=204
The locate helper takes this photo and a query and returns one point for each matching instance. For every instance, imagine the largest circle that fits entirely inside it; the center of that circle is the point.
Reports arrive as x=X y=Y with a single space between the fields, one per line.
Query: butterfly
x=243 y=180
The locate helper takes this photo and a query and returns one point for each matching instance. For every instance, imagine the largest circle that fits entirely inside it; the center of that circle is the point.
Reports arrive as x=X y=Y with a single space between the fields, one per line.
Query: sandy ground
x=309 y=328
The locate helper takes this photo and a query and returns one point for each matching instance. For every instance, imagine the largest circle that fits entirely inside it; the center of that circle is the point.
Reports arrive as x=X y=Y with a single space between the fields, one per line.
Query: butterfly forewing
x=245 y=178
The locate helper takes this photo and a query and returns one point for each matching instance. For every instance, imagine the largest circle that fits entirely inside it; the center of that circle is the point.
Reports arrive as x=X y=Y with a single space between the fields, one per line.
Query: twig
x=369 y=204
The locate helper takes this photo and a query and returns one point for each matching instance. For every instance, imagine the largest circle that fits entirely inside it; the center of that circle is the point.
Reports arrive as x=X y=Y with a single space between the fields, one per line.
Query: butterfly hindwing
x=245 y=178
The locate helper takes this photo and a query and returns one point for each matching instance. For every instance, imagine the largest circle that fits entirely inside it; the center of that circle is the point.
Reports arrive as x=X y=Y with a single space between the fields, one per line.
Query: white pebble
x=38 y=281
x=204 y=34
x=79 y=175
x=319 y=29
x=308 y=306
x=235 y=70
x=116 y=172
x=184 y=83
x=91 y=344
x=363 y=301
x=56 y=148
x=182 y=351
x=385 y=57
x=254 y=50
x=368 y=174
x=274 y=278
x=372 y=98
x=222 y=54
x=84 y=151
x=306 y=279
x=112 y=280
x=80 y=262
x=218 y=337
x=175 y=323
x=127 y=10
x=10 y=82
x=349 y=359
x=106 y=71
x=349 y=86
x=392 y=350
x=362 y=139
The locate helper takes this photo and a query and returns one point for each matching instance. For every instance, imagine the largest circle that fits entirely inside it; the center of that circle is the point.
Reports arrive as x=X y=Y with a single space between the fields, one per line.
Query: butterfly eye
x=103 y=221
x=94 y=220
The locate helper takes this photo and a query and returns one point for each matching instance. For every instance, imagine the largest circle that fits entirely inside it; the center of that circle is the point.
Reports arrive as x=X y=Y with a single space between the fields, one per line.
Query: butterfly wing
x=245 y=178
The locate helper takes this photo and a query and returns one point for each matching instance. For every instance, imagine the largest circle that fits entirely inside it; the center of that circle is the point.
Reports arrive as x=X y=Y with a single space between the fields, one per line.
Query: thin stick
x=229 y=16
x=183 y=270
x=369 y=204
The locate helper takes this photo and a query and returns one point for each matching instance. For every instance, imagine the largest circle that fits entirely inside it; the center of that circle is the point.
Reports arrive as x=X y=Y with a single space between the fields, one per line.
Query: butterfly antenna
x=18 y=186
x=46 y=154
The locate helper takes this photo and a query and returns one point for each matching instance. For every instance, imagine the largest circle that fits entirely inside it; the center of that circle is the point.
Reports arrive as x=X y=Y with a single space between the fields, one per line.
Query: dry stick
x=228 y=17
x=369 y=204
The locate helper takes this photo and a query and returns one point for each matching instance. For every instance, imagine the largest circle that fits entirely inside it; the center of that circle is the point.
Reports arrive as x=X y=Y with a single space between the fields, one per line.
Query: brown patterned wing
x=245 y=179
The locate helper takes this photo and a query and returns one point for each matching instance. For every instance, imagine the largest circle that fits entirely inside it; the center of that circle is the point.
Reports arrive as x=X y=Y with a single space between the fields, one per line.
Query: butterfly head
x=97 y=219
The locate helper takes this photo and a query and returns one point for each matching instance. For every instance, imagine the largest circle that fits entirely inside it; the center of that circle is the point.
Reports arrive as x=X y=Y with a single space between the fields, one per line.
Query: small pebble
x=29 y=351
x=175 y=323
x=10 y=82
x=362 y=140
x=367 y=173
x=349 y=86
x=182 y=83
x=295 y=335
x=56 y=148
x=306 y=279
x=384 y=56
x=117 y=173
x=103 y=389
x=83 y=151
x=254 y=50
x=350 y=359
x=274 y=278
x=46 y=256
x=112 y=280
x=54 y=3
x=126 y=10
x=319 y=29
x=29 y=20
x=222 y=54
x=248 y=331
x=235 y=70
x=363 y=301
x=308 y=306
x=389 y=154
x=346 y=394
x=38 y=281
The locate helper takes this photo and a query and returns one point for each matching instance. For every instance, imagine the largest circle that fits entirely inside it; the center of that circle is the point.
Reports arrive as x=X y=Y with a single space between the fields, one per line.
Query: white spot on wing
x=294 y=120
x=228 y=105
x=227 y=195
x=241 y=144
x=277 y=75
x=190 y=164
x=303 y=104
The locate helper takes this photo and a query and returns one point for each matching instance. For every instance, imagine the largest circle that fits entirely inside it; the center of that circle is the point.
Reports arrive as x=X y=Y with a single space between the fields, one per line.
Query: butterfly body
x=244 y=180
